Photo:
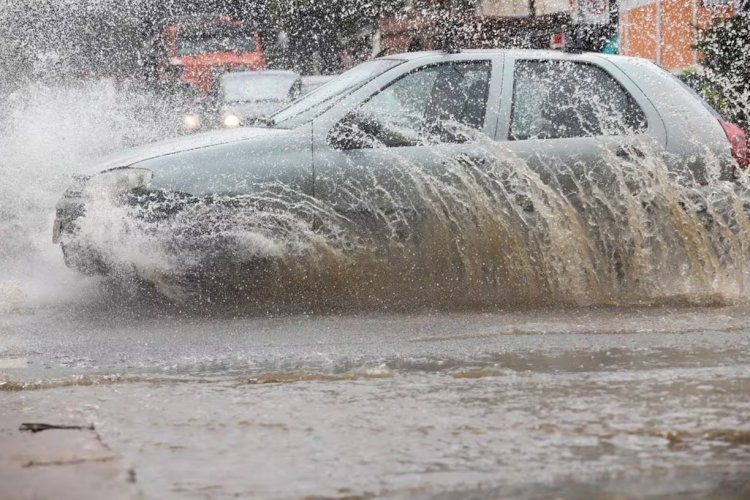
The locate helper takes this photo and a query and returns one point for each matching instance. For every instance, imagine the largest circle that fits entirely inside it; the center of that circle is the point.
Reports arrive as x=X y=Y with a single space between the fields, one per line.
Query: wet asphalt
x=542 y=403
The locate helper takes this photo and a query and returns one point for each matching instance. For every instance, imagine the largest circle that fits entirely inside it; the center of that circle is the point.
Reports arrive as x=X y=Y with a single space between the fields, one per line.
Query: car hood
x=179 y=145
x=257 y=159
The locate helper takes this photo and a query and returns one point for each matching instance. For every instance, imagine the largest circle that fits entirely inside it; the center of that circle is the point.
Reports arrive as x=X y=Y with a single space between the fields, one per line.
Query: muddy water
x=610 y=402
x=489 y=231
x=667 y=432
x=483 y=232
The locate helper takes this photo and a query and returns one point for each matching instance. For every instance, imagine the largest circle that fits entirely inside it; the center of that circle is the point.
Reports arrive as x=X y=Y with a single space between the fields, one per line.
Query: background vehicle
x=245 y=96
x=312 y=82
x=565 y=116
x=248 y=95
x=196 y=49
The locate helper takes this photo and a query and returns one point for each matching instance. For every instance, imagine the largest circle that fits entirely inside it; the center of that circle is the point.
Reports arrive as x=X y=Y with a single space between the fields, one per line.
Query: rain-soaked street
x=378 y=270
x=608 y=402
x=521 y=401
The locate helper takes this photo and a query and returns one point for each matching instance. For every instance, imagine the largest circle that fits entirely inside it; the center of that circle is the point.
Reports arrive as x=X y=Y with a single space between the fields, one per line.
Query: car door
x=377 y=158
x=570 y=120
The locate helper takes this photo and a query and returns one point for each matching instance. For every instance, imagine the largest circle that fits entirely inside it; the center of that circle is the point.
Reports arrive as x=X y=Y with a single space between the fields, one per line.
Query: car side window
x=555 y=99
x=434 y=104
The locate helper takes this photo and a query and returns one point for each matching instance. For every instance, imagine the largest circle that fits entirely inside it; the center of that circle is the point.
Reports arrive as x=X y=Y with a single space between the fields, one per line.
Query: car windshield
x=322 y=98
x=207 y=39
x=255 y=87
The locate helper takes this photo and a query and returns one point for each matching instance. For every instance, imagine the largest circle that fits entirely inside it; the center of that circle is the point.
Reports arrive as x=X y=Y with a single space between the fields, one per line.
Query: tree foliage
x=724 y=78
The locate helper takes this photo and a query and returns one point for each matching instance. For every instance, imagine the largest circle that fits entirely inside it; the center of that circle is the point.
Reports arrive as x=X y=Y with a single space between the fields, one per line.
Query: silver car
x=355 y=152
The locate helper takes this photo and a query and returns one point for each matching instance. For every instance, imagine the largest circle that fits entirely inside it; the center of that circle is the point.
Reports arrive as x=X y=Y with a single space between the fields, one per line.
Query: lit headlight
x=192 y=121
x=231 y=121
x=113 y=183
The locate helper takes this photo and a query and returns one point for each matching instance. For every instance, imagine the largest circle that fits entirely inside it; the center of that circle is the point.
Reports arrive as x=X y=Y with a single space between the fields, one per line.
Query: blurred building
x=427 y=24
x=665 y=31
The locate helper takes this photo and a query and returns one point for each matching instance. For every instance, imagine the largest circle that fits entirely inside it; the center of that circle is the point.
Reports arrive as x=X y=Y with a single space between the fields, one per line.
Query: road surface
x=544 y=403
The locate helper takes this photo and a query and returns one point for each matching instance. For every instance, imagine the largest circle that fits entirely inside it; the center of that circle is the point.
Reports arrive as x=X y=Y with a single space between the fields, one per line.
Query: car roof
x=557 y=54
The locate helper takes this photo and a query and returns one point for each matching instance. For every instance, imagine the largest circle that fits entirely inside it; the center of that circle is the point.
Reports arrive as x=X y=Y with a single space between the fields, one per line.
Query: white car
x=340 y=148
x=245 y=96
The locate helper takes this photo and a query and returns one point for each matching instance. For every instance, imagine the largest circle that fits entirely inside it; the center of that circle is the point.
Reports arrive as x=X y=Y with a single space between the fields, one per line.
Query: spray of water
x=487 y=230
x=50 y=132
x=484 y=230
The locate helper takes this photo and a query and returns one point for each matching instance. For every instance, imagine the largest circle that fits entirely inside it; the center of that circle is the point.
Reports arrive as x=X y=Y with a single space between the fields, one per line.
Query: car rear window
x=555 y=99
x=696 y=95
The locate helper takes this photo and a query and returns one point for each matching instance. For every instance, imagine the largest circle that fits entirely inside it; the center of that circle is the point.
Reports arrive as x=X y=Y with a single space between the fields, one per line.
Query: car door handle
x=629 y=152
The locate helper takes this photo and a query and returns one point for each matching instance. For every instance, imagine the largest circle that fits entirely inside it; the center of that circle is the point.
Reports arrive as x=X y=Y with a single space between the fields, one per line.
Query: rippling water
x=533 y=403
x=572 y=423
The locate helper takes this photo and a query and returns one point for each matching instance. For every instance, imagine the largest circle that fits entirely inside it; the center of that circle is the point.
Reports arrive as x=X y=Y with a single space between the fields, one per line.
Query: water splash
x=50 y=132
x=485 y=230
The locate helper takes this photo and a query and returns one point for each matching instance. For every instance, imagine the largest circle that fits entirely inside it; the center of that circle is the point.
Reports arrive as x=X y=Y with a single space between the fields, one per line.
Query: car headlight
x=231 y=121
x=192 y=121
x=113 y=183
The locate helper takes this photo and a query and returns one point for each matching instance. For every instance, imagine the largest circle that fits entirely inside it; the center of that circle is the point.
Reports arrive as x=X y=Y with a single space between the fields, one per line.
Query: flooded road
x=609 y=402
x=572 y=402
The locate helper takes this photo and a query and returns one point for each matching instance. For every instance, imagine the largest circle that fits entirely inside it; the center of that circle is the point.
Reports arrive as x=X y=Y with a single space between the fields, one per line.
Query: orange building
x=666 y=31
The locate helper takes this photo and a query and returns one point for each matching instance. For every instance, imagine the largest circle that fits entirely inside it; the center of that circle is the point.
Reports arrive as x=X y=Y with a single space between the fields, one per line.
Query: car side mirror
x=354 y=131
